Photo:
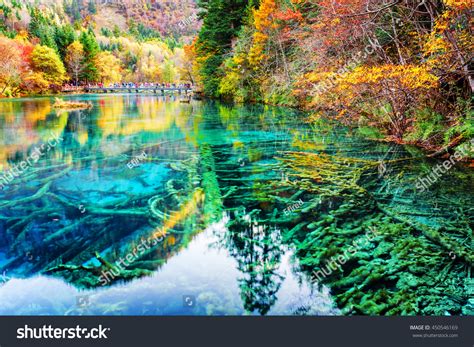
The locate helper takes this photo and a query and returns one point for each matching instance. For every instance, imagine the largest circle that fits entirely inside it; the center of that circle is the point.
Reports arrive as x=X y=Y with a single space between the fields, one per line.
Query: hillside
x=399 y=71
x=51 y=43
x=173 y=18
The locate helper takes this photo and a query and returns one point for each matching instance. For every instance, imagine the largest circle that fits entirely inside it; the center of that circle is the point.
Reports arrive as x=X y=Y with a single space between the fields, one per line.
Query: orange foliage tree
x=10 y=68
x=386 y=61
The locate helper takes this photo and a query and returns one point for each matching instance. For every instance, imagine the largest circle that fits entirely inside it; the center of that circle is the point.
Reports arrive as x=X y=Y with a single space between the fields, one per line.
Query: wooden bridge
x=154 y=89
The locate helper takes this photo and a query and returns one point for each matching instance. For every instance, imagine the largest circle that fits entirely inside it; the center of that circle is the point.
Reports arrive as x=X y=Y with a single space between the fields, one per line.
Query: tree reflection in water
x=258 y=249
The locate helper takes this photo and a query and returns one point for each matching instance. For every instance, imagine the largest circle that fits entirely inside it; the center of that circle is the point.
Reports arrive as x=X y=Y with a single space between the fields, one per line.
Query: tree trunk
x=464 y=63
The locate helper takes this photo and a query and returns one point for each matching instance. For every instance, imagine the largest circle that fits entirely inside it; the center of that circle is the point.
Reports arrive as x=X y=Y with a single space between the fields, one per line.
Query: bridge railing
x=129 y=89
x=141 y=88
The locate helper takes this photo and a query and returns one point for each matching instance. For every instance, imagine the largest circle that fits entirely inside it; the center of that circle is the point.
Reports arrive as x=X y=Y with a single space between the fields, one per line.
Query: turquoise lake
x=213 y=209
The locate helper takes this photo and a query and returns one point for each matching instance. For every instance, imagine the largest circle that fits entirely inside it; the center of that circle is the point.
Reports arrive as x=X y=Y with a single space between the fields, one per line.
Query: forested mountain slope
x=402 y=68
x=49 y=43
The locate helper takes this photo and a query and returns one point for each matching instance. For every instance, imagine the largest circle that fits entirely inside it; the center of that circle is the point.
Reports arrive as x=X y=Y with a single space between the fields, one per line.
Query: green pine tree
x=91 y=48
x=221 y=23
x=64 y=36
x=41 y=28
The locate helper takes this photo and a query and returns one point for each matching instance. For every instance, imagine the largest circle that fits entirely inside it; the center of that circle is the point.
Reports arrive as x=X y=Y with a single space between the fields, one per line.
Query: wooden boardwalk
x=155 y=90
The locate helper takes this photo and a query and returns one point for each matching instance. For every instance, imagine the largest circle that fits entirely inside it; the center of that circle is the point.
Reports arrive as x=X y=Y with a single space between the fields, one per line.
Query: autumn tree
x=394 y=66
x=75 y=60
x=449 y=47
x=11 y=63
x=189 y=69
x=108 y=67
x=264 y=23
x=168 y=72
x=241 y=82
x=48 y=65
x=261 y=69
x=150 y=68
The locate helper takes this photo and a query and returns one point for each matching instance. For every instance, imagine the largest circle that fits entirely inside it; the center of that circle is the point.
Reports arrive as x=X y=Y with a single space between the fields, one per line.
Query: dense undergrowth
x=403 y=69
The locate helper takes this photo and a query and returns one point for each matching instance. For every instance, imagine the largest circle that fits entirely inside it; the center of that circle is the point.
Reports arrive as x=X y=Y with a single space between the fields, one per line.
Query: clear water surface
x=218 y=189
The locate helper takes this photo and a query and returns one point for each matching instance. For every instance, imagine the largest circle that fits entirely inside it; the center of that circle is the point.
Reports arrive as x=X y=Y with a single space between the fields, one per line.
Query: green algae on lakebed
x=420 y=260
x=279 y=200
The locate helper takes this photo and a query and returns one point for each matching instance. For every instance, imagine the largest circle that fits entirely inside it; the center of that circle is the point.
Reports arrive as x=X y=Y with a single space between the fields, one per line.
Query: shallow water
x=209 y=213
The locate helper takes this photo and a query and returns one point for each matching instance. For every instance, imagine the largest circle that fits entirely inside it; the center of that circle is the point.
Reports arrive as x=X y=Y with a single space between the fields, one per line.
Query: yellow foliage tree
x=46 y=62
x=449 y=47
x=459 y=4
x=390 y=88
x=108 y=67
x=75 y=60
x=263 y=21
x=190 y=67
x=36 y=82
x=169 y=72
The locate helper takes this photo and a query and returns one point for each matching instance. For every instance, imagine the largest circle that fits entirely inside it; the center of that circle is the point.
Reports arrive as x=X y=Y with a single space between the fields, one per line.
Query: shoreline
x=429 y=151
